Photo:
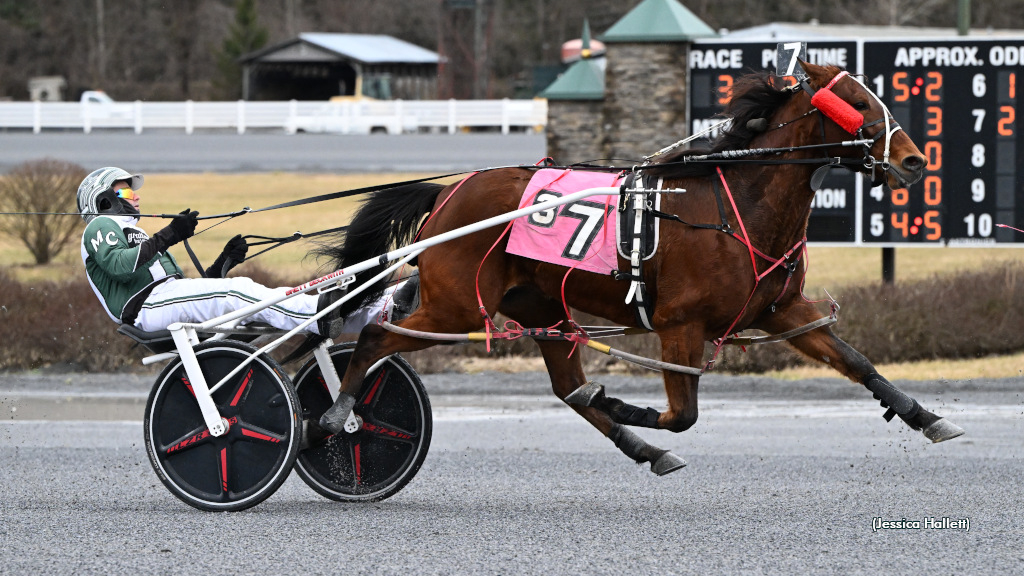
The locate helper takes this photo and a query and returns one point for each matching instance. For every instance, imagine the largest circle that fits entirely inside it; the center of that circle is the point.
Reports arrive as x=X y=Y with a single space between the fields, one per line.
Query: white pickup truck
x=97 y=105
x=347 y=115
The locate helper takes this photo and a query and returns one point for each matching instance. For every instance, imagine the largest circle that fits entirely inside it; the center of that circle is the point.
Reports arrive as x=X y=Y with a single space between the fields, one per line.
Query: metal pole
x=889 y=265
x=101 y=46
x=963 y=17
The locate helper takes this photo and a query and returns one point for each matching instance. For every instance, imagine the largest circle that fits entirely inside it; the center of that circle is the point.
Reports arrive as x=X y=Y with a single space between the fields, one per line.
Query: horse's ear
x=818 y=75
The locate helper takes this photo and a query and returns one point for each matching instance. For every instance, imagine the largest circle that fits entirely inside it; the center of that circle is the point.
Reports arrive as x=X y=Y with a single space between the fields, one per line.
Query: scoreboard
x=957 y=99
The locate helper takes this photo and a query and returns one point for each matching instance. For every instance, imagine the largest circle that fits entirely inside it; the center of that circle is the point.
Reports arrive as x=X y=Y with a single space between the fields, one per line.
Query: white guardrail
x=347 y=117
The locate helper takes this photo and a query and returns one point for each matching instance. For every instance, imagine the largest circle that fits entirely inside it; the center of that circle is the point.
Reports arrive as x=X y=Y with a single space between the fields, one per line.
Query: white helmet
x=92 y=199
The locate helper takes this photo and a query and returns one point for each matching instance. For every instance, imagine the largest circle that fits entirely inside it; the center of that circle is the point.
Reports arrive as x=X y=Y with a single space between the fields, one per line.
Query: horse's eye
x=862 y=105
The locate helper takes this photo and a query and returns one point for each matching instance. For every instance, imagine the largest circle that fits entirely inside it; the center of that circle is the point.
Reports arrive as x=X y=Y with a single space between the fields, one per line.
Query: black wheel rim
x=246 y=464
x=376 y=461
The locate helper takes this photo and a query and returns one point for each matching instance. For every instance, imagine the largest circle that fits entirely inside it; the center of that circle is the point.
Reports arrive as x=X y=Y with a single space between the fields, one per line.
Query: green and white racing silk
x=122 y=271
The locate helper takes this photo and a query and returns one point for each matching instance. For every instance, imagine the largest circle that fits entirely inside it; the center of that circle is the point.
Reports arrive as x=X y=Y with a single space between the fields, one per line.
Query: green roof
x=658 y=21
x=584 y=80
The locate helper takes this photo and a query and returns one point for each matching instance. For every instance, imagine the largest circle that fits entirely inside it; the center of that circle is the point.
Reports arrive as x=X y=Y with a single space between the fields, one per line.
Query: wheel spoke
x=223 y=466
x=201 y=435
x=242 y=386
x=357 y=463
x=257 y=434
x=323 y=383
x=385 y=430
x=378 y=382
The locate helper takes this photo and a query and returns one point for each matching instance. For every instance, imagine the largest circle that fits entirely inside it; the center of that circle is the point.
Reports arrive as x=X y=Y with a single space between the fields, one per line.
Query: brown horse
x=700 y=279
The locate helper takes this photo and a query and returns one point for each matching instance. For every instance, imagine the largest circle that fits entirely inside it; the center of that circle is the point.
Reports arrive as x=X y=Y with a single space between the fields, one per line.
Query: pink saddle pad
x=580 y=234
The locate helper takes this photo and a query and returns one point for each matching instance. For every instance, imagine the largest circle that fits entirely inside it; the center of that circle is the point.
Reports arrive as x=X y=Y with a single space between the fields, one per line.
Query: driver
x=138 y=282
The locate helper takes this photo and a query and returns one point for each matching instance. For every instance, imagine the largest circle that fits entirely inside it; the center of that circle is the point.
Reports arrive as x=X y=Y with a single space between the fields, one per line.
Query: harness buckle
x=341 y=284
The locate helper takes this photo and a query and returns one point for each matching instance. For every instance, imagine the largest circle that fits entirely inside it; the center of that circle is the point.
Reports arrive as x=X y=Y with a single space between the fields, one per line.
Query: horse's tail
x=388 y=219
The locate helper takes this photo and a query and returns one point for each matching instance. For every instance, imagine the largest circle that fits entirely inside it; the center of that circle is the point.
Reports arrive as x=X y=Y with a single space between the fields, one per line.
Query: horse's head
x=854 y=108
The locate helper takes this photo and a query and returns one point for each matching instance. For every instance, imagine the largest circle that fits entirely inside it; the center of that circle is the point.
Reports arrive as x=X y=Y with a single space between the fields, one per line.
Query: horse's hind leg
x=564 y=366
x=823 y=345
x=375 y=342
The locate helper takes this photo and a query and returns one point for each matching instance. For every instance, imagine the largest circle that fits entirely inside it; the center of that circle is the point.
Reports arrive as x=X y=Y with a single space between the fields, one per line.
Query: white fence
x=348 y=117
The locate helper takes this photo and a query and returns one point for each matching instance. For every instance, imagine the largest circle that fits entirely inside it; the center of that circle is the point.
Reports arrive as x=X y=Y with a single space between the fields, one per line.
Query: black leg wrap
x=334 y=418
x=892 y=398
x=631 y=415
x=630 y=444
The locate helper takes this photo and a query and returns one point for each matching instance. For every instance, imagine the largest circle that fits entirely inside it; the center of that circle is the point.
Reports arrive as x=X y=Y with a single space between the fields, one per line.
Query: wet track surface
x=783 y=477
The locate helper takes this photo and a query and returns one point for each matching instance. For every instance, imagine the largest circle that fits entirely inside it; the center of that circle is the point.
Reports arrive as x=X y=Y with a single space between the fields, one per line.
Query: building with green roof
x=658 y=21
x=635 y=104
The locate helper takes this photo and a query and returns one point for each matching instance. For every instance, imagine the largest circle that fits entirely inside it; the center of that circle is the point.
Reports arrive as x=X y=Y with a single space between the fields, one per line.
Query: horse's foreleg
x=824 y=346
x=567 y=379
x=681 y=389
x=565 y=368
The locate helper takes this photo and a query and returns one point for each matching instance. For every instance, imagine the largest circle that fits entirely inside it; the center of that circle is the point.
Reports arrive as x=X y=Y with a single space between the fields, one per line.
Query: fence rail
x=348 y=117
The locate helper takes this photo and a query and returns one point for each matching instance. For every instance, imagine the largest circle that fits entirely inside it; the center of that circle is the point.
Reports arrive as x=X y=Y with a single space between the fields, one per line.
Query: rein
x=828 y=105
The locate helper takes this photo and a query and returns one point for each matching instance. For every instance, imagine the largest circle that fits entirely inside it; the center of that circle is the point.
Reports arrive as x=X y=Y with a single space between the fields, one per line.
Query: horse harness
x=637 y=237
x=639 y=205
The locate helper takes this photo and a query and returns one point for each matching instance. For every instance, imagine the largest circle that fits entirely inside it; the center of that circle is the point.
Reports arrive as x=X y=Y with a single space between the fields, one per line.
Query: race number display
x=956 y=98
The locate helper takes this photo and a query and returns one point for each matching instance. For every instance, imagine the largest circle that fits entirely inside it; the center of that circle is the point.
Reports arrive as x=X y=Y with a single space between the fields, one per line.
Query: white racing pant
x=196 y=300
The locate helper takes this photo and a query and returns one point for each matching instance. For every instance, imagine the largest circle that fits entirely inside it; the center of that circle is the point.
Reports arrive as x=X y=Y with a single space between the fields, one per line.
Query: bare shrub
x=955 y=316
x=40 y=187
x=965 y=315
x=46 y=323
x=970 y=315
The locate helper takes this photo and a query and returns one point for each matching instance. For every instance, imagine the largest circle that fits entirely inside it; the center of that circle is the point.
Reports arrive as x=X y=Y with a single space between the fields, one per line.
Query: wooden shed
x=319 y=66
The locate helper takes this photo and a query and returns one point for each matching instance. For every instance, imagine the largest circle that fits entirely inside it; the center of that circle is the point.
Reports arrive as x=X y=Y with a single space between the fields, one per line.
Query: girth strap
x=635 y=199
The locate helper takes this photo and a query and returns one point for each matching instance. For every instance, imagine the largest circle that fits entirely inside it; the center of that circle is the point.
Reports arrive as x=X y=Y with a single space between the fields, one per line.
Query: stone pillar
x=644 y=108
x=574 y=131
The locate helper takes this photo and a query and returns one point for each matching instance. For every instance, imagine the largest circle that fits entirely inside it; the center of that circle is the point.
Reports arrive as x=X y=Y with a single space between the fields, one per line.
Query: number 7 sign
x=787 y=57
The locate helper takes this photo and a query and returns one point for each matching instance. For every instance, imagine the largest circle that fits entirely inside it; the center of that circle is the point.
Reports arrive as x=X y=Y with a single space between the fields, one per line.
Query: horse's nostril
x=913 y=163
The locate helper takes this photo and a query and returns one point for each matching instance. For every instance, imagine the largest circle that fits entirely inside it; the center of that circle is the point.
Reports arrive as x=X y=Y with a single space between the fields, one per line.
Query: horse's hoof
x=334 y=419
x=585 y=395
x=667 y=462
x=312 y=435
x=942 y=430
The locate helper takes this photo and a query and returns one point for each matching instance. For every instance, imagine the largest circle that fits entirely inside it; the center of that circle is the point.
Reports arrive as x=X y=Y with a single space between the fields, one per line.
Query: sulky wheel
x=378 y=460
x=243 y=467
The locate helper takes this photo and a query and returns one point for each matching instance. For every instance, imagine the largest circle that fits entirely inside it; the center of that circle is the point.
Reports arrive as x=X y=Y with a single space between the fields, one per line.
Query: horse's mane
x=754 y=96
